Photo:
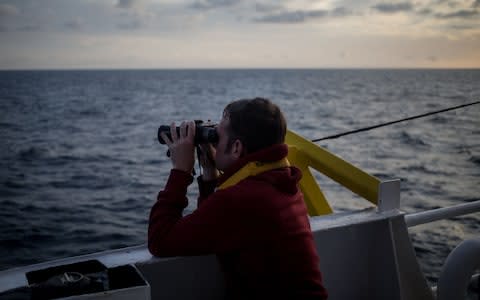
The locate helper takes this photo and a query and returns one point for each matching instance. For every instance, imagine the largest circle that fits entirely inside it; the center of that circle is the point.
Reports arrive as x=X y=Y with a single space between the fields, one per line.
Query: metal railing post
x=389 y=195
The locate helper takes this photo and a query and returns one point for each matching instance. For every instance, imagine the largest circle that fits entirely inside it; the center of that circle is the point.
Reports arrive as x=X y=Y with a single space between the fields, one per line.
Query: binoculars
x=204 y=134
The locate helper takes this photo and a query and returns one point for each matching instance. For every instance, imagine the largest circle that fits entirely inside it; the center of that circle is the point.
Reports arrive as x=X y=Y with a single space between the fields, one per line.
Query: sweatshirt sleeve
x=169 y=207
x=205 y=231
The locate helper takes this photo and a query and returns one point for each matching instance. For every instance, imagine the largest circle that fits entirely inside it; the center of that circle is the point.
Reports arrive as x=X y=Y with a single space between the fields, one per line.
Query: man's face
x=224 y=157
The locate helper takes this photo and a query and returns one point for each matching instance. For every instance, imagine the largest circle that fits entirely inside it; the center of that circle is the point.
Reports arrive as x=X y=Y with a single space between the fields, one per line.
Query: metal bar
x=336 y=168
x=442 y=213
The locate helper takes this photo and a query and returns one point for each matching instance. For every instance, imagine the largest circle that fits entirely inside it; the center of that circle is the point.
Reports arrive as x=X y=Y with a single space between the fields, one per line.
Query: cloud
x=462 y=27
x=341 y=12
x=29 y=28
x=74 y=24
x=128 y=4
x=132 y=25
x=391 y=8
x=425 y=12
x=136 y=15
x=463 y=14
x=301 y=16
x=8 y=10
x=212 y=4
x=268 y=8
x=161 y=32
x=297 y=16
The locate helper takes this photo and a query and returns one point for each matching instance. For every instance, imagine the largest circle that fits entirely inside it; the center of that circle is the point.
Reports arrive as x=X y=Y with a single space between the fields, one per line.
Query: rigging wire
x=394 y=122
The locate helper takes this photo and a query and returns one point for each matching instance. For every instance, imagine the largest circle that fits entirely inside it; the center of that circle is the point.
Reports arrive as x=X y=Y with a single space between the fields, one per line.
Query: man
x=255 y=221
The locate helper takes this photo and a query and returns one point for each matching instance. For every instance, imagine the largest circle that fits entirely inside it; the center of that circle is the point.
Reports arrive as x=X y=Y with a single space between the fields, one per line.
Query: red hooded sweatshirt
x=258 y=229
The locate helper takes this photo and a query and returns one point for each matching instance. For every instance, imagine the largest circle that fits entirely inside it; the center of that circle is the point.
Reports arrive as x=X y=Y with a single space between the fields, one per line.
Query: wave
x=91 y=112
x=412 y=140
x=90 y=161
x=32 y=153
x=426 y=170
x=475 y=159
x=437 y=119
x=85 y=181
x=9 y=126
x=457 y=97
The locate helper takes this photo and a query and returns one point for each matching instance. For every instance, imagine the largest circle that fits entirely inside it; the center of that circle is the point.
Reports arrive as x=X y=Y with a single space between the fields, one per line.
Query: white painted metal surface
x=458 y=269
x=389 y=195
x=367 y=251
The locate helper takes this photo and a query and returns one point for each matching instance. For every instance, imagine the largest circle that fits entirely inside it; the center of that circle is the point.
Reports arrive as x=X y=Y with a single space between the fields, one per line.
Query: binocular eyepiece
x=204 y=134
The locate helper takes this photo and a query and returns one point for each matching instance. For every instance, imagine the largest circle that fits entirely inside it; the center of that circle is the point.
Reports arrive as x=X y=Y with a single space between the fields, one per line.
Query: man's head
x=248 y=125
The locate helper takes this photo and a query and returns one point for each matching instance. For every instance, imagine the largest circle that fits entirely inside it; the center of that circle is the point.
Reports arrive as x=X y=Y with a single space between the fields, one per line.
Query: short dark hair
x=257 y=123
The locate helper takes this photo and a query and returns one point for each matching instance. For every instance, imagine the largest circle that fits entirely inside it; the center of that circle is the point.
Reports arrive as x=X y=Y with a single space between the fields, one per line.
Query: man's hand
x=207 y=161
x=181 y=146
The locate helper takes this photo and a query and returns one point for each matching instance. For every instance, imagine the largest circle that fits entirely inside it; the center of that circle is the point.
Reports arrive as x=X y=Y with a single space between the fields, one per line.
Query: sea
x=80 y=164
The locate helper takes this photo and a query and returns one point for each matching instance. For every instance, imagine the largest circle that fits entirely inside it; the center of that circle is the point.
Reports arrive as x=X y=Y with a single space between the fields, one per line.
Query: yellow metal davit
x=303 y=154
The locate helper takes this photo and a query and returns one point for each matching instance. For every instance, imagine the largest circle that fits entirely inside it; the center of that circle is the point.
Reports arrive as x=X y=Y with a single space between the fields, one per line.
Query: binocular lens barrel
x=203 y=134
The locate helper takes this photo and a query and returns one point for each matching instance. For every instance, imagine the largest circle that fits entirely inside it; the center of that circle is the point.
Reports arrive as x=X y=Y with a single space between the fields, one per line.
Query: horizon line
x=236 y=68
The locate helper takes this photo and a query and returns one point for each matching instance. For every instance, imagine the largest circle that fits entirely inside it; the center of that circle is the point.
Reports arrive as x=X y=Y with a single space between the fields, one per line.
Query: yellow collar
x=251 y=169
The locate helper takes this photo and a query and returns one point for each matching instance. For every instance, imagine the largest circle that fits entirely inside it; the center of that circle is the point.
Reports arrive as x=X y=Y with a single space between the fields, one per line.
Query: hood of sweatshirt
x=284 y=179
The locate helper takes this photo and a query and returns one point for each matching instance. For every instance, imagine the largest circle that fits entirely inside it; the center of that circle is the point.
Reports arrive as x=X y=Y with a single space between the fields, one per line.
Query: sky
x=166 y=34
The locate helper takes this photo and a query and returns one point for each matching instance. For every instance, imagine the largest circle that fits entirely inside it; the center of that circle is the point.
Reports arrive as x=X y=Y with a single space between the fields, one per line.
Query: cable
x=393 y=122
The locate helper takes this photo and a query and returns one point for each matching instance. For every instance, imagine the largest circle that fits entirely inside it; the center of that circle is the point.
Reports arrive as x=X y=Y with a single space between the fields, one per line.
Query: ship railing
x=385 y=195
x=433 y=215
x=306 y=155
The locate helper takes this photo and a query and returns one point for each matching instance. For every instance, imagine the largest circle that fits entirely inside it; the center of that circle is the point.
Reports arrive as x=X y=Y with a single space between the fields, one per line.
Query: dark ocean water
x=80 y=166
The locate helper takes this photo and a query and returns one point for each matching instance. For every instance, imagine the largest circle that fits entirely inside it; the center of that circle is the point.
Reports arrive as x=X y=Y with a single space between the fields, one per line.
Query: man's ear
x=238 y=149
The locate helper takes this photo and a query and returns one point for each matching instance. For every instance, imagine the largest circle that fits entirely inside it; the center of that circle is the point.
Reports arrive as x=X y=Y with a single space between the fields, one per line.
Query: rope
x=393 y=122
